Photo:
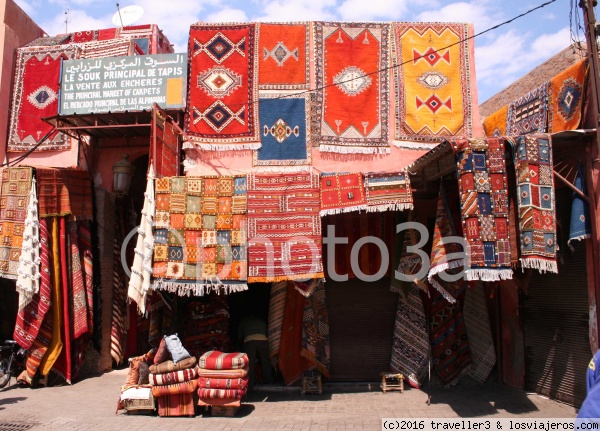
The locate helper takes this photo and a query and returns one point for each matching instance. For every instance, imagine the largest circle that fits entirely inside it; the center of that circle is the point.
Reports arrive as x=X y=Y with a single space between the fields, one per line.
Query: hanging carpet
x=494 y=124
x=580 y=227
x=341 y=193
x=388 y=191
x=565 y=98
x=315 y=331
x=528 y=113
x=276 y=309
x=481 y=342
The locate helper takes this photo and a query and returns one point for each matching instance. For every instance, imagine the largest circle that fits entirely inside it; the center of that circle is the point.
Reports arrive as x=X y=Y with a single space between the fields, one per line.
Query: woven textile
x=37 y=77
x=85 y=248
x=315 y=331
x=307 y=288
x=352 y=97
x=410 y=351
x=284 y=228
x=481 y=342
x=388 y=191
x=53 y=192
x=482 y=182
x=14 y=200
x=187 y=387
x=565 y=98
x=432 y=81
x=223 y=374
x=80 y=186
x=537 y=210
x=220 y=383
x=64 y=363
x=169 y=366
x=176 y=405
x=283 y=56
x=341 y=193
x=214 y=360
x=448 y=337
x=223 y=88
x=106 y=48
x=84 y=36
x=221 y=393
x=528 y=113
x=78 y=290
x=174 y=377
x=200 y=235
x=407 y=263
x=285 y=137
x=494 y=124
x=119 y=302
x=276 y=308
x=580 y=227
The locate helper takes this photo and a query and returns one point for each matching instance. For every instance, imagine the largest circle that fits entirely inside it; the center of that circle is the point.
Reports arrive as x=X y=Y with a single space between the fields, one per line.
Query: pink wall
x=111 y=151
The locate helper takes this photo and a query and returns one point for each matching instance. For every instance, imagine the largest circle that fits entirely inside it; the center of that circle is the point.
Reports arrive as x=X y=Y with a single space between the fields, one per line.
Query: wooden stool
x=311 y=383
x=392 y=382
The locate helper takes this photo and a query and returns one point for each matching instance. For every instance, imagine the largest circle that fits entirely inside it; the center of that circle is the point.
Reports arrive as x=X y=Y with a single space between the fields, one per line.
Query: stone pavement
x=91 y=403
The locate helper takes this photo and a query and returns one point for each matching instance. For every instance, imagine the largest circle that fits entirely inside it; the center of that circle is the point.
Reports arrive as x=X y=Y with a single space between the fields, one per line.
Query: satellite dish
x=127 y=15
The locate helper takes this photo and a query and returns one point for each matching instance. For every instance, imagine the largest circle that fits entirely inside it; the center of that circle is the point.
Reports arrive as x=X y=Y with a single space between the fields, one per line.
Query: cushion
x=176 y=349
x=215 y=360
x=162 y=354
x=169 y=366
x=174 y=376
x=144 y=372
x=133 y=376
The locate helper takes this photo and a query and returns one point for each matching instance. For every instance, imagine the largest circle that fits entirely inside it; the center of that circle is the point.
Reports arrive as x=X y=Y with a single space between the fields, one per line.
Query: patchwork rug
x=388 y=191
x=481 y=342
x=528 y=113
x=432 y=81
x=200 y=234
x=35 y=96
x=284 y=227
x=285 y=137
x=223 y=88
x=565 y=98
x=580 y=227
x=283 y=52
x=494 y=124
x=410 y=350
x=482 y=181
x=352 y=96
x=14 y=199
x=276 y=308
x=537 y=210
x=341 y=193
x=315 y=331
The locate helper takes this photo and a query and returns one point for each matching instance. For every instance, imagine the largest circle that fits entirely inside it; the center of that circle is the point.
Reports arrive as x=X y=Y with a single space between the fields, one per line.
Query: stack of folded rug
x=174 y=381
x=223 y=378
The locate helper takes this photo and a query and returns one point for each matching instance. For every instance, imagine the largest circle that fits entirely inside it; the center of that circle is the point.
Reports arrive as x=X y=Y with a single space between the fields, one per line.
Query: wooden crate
x=224 y=411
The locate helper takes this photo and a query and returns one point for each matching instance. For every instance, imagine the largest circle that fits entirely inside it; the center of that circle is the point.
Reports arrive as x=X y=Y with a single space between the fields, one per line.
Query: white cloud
x=296 y=10
x=78 y=20
x=482 y=14
x=227 y=15
x=387 y=10
x=26 y=6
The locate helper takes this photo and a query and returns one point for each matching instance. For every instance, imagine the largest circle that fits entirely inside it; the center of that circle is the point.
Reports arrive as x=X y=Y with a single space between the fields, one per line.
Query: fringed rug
x=410 y=349
x=352 y=96
x=276 y=309
x=342 y=193
x=537 y=210
x=315 y=331
x=78 y=294
x=481 y=168
x=494 y=124
x=481 y=342
x=388 y=191
x=35 y=96
x=14 y=199
x=565 y=98
x=283 y=51
x=449 y=343
x=285 y=137
x=432 y=81
x=200 y=234
x=284 y=227
x=223 y=63
x=528 y=113
x=580 y=227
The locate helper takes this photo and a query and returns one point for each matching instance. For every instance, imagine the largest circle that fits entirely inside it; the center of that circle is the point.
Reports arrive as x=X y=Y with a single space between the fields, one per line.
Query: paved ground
x=90 y=405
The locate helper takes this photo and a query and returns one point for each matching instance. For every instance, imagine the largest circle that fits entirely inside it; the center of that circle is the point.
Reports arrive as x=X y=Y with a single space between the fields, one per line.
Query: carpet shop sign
x=119 y=84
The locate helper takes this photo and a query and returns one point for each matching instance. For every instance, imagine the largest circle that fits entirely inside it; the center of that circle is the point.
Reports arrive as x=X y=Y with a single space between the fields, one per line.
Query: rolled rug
x=215 y=360
x=169 y=366
x=221 y=393
x=223 y=374
x=221 y=383
x=174 y=376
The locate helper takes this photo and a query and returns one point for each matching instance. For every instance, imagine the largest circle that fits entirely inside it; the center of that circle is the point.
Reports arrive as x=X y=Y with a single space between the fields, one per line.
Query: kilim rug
x=306 y=288
x=80 y=186
x=119 y=301
x=352 y=96
x=106 y=48
x=494 y=124
x=200 y=235
x=223 y=89
x=276 y=308
x=53 y=192
x=341 y=193
x=407 y=263
x=37 y=77
x=85 y=247
x=565 y=96
x=580 y=227
x=283 y=52
x=291 y=363
x=410 y=349
x=285 y=137
x=284 y=227
x=388 y=191
x=482 y=182
x=315 y=331
x=14 y=199
x=481 y=343
x=64 y=364
x=78 y=294
x=84 y=36
x=528 y=113
x=448 y=337
x=432 y=81
x=537 y=211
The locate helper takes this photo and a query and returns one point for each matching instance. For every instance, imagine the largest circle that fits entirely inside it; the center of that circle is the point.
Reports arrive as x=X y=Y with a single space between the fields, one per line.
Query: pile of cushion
x=222 y=378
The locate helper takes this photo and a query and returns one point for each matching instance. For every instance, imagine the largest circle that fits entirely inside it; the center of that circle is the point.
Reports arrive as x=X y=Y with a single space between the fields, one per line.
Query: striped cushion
x=215 y=360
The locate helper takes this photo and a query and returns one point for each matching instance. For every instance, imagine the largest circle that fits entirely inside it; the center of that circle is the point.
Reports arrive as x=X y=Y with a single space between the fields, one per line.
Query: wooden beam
x=571 y=186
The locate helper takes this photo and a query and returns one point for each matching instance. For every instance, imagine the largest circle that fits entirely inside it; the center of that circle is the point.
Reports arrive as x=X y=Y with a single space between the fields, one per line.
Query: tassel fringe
x=390 y=207
x=334 y=211
x=577 y=238
x=488 y=274
x=541 y=265
x=353 y=150
x=198 y=289
x=443 y=291
x=415 y=145
x=220 y=147
x=444 y=267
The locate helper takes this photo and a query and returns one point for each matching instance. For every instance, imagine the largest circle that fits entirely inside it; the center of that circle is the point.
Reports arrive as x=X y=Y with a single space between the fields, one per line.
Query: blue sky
x=502 y=55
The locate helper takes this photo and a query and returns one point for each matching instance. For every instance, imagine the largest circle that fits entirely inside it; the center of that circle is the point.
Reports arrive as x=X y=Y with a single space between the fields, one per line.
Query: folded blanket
x=228 y=402
x=221 y=393
x=177 y=388
x=223 y=374
x=174 y=377
x=221 y=383
x=215 y=360
x=136 y=393
x=170 y=366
